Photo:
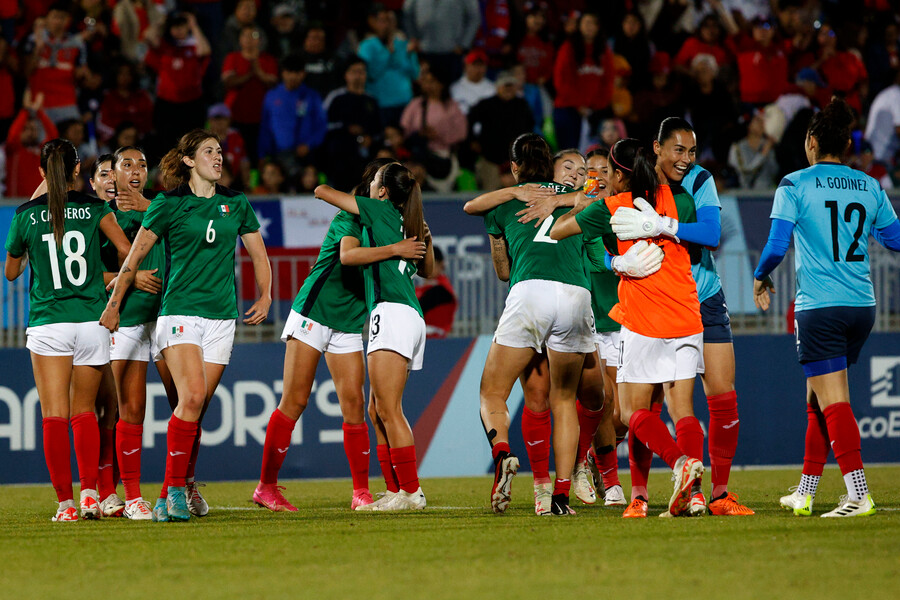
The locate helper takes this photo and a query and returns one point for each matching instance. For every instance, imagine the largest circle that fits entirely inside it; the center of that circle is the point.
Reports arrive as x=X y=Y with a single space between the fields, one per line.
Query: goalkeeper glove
x=641 y=260
x=641 y=222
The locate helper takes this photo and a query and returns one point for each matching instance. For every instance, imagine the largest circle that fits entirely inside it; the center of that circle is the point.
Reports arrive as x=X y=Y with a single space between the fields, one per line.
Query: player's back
x=834 y=208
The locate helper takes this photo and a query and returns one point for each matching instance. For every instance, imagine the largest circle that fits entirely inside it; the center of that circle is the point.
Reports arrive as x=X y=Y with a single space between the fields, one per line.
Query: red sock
x=816 y=450
x=562 y=486
x=106 y=483
x=86 y=437
x=639 y=459
x=356 y=447
x=649 y=428
x=278 y=440
x=404 y=462
x=58 y=456
x=844 y=435
x=129 y=440
x=195 y=450
x=179 y=442
x=536 y=431
x=724 y=425
x=499 y=447
x=387 y=471
x=588 y=421
x=608 y=465
x=689 y=436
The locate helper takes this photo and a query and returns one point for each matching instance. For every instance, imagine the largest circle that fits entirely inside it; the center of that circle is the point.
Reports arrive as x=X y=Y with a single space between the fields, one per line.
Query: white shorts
x=87 y=343
x=135 y=342
x=658 y=360
x=398 y=327
x=318 y=336
x=608 y=344
x=214 y=336
x=547 y=313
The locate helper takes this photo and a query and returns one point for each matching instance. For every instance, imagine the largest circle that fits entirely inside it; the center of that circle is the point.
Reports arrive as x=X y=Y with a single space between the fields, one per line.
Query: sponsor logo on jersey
x=178 y=330
x=224 y=210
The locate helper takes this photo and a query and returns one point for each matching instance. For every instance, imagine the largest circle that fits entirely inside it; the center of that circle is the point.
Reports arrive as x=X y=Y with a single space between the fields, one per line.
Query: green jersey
x=138 y=306
x=533 y=253
x=604 y=286
x=67 y=281
x=388 y=280
x=199 y=235
x=333 y=294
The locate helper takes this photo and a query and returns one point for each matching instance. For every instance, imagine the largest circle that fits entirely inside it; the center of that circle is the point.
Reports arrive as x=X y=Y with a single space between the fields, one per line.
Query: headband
x=617 y=162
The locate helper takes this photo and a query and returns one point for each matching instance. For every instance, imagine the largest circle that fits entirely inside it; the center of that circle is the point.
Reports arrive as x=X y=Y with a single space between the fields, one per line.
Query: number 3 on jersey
x=541 y=235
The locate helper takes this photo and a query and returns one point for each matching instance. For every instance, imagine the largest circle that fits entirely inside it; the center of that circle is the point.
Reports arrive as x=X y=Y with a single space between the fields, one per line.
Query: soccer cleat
x=361 y=497
x=139 y=510
x=270 y=496
x=697 y=505
x=404 y=501
x=507 y=467
x=66 y=512
x=559 y=506
x=176 y=504
x=636 y=510
x=614 y=496
x=90 y=504
x=596 y=477
x=685 y=473
x=728 y=505
x=801 y=504
x=853 y=508
x=383 y=498
x=196 y=504
x=543 y=498
x=112 y=506
x=583 y=484
x=160 y=514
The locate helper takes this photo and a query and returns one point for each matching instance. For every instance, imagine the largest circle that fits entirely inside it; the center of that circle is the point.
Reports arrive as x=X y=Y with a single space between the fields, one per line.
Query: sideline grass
x=457 y=548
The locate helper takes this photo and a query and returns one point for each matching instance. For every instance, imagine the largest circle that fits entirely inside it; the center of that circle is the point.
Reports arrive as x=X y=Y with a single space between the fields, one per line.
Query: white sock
x=857 y=488
x=808 y=485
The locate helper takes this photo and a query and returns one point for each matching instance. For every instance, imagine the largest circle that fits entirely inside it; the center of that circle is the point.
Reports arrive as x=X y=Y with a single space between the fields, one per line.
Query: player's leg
x=688 y=433
x=815 y=455
x=605 y=457
x=383 y=452
x=131 y=385
x=593 y=413
x=86 y=434
x=106 y=408
x=565 y=373
x=536 y=428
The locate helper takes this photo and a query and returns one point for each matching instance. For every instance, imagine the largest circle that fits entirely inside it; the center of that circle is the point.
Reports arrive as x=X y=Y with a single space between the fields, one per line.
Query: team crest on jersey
x=224 y=210
x=178 y=330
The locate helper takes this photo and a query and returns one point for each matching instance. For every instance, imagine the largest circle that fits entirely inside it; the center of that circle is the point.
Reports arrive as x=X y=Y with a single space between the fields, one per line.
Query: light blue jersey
x=699 y=183
x=833 y=209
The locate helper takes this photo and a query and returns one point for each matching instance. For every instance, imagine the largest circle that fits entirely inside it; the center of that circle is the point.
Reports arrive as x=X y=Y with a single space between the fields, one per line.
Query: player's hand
x=128 y=198
x=258 y=312
x=147 y=282
x=641 y=222
x=409 y=249
x=541 y=202
x=110 y=318
x=641 y=260
x=761 y=290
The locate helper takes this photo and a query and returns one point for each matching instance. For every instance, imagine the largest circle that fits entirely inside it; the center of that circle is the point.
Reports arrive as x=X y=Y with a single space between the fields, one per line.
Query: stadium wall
x=442 y=404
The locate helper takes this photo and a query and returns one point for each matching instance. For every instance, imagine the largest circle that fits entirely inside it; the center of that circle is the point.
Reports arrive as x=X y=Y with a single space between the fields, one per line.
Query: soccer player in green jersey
x=199 y=221
x=59 y=232
x=391 y=214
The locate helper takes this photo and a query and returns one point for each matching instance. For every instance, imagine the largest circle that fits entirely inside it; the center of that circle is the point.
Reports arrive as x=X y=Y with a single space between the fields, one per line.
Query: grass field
x=457 y=548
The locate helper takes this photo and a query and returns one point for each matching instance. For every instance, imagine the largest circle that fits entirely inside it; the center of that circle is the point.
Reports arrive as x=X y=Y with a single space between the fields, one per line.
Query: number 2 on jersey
x=542 y=232
x=853 y=207
x=74 y=256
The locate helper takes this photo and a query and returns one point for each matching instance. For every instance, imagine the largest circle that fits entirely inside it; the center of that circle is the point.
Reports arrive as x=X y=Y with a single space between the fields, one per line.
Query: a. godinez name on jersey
x=72 y=212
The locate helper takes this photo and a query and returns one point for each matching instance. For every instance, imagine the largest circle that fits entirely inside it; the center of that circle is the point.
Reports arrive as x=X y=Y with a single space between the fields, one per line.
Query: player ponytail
x=58 y=160
x=831 y=128
x=629 y=157
x=174 y=170
x=669 y=126
x=369 y=175
x=406 y=195
x=531 y=154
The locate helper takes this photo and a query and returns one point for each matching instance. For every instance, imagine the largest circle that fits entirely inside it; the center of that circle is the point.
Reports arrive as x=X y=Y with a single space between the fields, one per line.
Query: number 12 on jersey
x=853 y=207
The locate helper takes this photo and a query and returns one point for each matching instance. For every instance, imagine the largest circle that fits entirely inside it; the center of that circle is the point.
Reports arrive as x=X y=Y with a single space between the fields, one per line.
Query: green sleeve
x=249 y=222
x=594 y=223
x=15 y=245
x=490 y=222
x=158 y=216
x=347 y=225
x=368 y=210
x=106 y=210
x=687 y=208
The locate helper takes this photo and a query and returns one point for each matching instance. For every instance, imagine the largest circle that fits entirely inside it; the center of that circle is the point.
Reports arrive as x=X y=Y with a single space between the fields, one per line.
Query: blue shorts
x=832 y=332
x=716 y=322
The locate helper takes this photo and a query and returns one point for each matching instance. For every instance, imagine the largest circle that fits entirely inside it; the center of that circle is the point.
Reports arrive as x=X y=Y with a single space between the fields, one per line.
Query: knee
x=132 y=412
x=372 y=410
x=193 y=399
x=293 y=404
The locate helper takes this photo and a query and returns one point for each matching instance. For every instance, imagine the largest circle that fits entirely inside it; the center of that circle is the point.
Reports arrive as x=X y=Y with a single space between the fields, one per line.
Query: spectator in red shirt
x=23 y=146
x=584 y=77
x=247 y=75
x=535 y=49
x=843 y=71
x=126 y=102
x=708 y=40
x=55 y=61
x=180 y=57
x=233 y=146
x=762 y=65
x=438 y=300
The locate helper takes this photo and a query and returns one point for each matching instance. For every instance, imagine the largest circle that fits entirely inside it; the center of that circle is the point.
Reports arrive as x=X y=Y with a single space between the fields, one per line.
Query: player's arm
x=500 y=256
x=425 y=267
x=341 y=200
x=15 y=266
x=354 y=255
x=772 y=255
x=889 y=236
x=528 y=193
x=262 y=271
x=540 y=209
x=139 y=249
x=567 y=225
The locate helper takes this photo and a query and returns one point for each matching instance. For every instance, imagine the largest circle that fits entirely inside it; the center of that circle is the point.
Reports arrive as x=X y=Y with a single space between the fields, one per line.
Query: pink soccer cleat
x=270 y=496
x=361 y=497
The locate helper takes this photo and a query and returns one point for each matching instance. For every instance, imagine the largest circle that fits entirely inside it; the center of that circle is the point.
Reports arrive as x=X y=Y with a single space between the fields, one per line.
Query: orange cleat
x=636 y=510
x=728 y=505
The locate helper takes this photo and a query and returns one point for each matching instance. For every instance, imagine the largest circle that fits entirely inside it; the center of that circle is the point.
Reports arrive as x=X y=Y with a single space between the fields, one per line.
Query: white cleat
x=697 y=505
x=196 y=504
x=685 y=473
x=615 y=496
x=543 y=499
x=139 y=510
x=853 y=508
x=583 y=484
x=382 y=499
x=800 y=504
x=404 y=501
x=66 y=512
x=90 y=504
x=112 y=506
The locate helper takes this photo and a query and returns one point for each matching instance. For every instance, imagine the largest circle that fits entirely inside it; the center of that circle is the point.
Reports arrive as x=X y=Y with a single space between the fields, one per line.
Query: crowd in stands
x=305 y=91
